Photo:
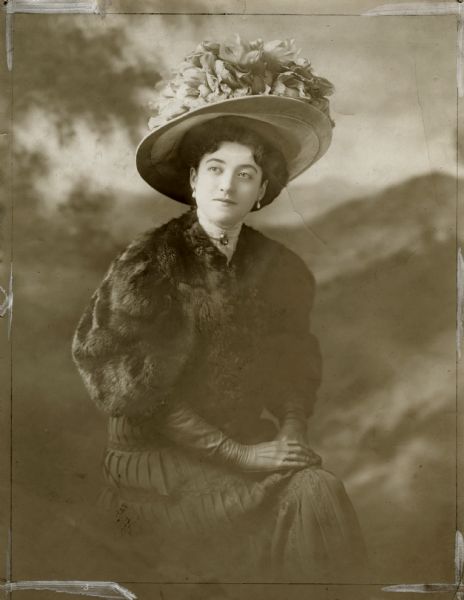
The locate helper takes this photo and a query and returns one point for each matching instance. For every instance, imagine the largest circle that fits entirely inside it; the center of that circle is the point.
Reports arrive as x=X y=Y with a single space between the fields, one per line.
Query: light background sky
x=394 y=104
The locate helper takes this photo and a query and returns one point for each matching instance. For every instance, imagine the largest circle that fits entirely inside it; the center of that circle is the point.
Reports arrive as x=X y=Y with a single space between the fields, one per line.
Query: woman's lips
x=224 y=201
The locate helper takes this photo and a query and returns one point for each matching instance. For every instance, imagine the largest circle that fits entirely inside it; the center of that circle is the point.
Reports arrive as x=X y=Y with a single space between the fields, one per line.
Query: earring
x=193 y=192
x=258 y=204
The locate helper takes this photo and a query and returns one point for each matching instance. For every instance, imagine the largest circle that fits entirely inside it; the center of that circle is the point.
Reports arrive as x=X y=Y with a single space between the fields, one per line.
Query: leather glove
x=294 y=417
x=186 y=428
x=294 y=426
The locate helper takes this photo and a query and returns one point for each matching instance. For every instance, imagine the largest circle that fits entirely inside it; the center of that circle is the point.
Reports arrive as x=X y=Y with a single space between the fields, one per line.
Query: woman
x=196 y=344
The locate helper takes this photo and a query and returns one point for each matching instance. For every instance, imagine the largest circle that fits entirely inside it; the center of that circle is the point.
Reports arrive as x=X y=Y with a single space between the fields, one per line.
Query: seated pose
x=197 y=343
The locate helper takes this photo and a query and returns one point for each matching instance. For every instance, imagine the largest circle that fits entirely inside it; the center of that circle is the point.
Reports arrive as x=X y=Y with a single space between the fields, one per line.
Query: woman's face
x=227 y=184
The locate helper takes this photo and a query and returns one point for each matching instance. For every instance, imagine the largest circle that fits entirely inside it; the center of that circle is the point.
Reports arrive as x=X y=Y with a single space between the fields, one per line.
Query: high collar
x=215 y=233
x=202 y=245
x=214 y=230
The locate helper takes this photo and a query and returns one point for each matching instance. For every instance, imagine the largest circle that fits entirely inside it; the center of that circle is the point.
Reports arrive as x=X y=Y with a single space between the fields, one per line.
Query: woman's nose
x=226 y=182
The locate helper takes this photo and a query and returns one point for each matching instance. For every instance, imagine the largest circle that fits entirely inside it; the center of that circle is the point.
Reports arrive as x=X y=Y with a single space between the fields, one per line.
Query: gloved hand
x=293 y=428
x=276 y=455
x=185 y=427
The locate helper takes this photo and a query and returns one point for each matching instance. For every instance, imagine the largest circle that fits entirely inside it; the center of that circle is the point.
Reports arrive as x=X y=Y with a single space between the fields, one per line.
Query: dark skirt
x=223 y=524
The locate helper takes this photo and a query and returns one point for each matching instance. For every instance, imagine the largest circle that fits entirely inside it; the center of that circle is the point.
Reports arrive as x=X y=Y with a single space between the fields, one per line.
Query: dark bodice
x=173 y=320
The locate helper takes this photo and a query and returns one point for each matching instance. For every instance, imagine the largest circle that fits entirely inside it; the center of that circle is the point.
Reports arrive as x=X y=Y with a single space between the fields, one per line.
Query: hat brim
x=300 y=131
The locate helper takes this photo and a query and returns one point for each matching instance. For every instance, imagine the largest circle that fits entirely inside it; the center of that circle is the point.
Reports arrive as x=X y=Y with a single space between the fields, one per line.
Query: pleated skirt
x=227 y=525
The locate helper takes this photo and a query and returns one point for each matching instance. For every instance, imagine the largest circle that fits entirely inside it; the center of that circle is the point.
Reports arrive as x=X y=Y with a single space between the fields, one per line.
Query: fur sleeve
x=132 y=341
x=293 y=353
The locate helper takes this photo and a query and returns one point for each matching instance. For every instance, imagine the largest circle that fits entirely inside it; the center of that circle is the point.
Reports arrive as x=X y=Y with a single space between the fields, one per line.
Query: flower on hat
x=216 y=71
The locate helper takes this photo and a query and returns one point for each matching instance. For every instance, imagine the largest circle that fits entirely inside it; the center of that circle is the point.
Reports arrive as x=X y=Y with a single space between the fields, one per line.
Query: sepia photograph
x=231 y=300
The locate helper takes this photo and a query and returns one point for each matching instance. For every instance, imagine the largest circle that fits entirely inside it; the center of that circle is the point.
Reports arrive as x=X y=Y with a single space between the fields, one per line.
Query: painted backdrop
x=374 y=220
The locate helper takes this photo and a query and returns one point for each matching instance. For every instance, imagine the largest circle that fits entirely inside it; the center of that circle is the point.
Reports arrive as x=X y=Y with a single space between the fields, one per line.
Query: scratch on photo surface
x=430 y=9
x=301 y=217
x=460 y=54
x=433 y=588
x=424 y=129
x=13 y=7
x=460 y=300
x=413 y=8
x=100 y=589
x=6 y=305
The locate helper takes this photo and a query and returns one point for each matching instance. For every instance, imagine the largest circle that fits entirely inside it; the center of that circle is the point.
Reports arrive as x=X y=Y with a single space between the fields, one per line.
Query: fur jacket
x=173 y=320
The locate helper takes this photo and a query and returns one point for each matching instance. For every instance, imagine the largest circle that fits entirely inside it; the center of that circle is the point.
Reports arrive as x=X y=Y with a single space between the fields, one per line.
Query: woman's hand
x=297 y=435
x=276 y=455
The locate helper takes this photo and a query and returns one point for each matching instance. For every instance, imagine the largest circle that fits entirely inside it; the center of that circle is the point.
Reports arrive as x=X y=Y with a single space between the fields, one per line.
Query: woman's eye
x=245 y=175
x=213 y=169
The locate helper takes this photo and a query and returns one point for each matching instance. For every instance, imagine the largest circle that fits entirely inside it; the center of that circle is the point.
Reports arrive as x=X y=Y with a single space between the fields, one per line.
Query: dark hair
x=207 y=137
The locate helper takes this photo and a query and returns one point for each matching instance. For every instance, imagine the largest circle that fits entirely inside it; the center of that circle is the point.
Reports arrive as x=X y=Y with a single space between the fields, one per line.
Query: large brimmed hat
x=267 y=87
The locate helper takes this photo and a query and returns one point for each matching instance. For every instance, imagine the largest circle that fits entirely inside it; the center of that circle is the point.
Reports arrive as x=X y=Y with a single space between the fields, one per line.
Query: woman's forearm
x=293 y=420
x=293 y=426
x=186 y=428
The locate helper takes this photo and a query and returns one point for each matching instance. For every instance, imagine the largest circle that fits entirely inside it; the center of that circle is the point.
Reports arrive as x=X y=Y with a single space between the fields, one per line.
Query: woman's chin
x=227 y=223
x=226 y=216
